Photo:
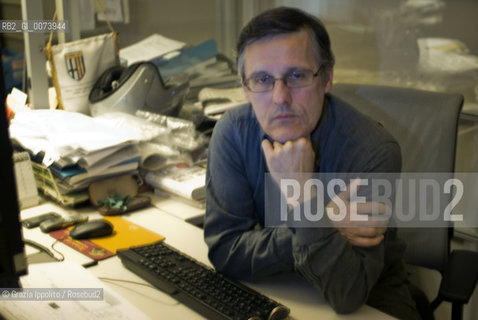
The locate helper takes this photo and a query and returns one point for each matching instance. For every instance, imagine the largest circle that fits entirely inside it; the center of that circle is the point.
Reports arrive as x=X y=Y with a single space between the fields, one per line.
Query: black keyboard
x=198 y=286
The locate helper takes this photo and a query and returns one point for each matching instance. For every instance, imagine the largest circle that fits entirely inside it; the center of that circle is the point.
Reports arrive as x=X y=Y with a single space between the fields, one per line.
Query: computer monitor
x=12 y=257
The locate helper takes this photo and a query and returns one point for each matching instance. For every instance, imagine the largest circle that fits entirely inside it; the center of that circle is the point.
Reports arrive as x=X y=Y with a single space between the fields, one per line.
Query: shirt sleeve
x=345 y=274
x=238 y=246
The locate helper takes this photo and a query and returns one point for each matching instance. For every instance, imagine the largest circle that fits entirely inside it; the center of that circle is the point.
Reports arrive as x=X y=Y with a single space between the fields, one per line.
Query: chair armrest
x=460 y=276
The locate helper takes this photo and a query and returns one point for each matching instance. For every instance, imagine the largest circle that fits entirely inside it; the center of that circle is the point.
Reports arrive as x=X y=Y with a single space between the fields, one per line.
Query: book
x=26 y=187
x=51 y=187
x=182 y=180
x=76 y=175
x=188 y=59
x=200 y=203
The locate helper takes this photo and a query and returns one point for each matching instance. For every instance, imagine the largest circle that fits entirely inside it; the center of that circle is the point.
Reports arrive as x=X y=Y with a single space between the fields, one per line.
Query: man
x=294 y=125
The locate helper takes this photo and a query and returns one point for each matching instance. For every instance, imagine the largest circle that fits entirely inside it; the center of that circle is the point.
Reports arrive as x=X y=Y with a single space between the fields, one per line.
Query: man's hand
x=359 y=233
x=291 y=157
x=363 y=236
x=295 y=157
x=290 y=160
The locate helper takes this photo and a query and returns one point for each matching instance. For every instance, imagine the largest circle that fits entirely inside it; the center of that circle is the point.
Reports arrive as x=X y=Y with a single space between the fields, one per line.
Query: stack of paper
x=77 y=177
x=181 y=182
x=152 y=47
x=77 y=149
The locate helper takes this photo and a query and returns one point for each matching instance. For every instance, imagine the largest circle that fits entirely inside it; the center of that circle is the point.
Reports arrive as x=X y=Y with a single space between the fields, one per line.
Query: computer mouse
x=92 y=229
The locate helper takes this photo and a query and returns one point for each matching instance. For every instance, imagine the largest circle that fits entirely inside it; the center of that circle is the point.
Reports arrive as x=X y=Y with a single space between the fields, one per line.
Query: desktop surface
x=290 y=290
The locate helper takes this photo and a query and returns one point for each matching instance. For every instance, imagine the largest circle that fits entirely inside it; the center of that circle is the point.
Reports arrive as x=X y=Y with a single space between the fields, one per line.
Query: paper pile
x=77 y=149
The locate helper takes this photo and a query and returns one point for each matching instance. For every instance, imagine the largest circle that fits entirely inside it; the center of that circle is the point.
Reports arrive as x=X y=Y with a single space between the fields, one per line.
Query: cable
x=53 y=248
x=141 y=284
x=41 y=248
x=127 y=281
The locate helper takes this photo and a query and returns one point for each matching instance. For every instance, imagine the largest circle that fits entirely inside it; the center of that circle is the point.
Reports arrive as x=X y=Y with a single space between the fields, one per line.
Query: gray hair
x=285 y=20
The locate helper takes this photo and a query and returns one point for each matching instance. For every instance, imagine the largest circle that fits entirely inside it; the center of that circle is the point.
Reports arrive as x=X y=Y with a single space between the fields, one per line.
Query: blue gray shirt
x=239 y=244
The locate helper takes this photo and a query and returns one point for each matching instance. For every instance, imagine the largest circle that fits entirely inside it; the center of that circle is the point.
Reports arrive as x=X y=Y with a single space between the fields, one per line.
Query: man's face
x=286 y=113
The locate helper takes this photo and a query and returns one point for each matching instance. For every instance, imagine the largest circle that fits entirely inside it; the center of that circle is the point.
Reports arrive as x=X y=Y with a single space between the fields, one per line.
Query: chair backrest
x=425 y=125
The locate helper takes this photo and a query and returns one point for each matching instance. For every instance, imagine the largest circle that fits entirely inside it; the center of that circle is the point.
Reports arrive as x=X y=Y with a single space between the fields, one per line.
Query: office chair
x=425 y=125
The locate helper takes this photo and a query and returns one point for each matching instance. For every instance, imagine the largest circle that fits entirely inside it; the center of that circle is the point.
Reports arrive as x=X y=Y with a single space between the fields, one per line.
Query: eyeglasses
x=293 y=79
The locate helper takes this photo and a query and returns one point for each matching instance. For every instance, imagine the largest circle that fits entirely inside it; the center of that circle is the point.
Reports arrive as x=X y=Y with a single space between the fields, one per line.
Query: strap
x=54 y=76
x=51 y=32
x=115 y=35
x=98 y=2
x=110 y=26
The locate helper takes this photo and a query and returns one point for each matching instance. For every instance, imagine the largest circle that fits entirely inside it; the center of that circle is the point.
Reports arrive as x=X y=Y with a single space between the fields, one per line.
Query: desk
x=303 y=300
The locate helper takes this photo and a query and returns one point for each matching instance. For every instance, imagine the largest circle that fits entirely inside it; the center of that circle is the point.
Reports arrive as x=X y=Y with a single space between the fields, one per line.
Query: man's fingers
x=350 y=190
x=366 y=232
x=361 y=214
x=363 y=237
x=365 y=242
x=267 y=146
x=371 y=222
x=374 y=208
x=278 y=146
x=377 y=213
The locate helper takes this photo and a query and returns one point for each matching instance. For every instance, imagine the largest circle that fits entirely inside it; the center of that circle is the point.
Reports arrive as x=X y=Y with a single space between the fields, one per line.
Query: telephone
x=137 y=87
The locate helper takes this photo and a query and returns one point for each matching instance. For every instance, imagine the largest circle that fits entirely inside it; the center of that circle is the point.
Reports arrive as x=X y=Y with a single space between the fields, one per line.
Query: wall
x=184 y=20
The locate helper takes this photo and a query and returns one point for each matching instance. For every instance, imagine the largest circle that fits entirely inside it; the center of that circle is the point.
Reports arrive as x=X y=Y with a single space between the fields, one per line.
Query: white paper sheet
x=68 y=275
x=149 y=48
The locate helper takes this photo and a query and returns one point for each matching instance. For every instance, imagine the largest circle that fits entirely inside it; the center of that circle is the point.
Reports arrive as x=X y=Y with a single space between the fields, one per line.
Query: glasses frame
x=314 y=75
